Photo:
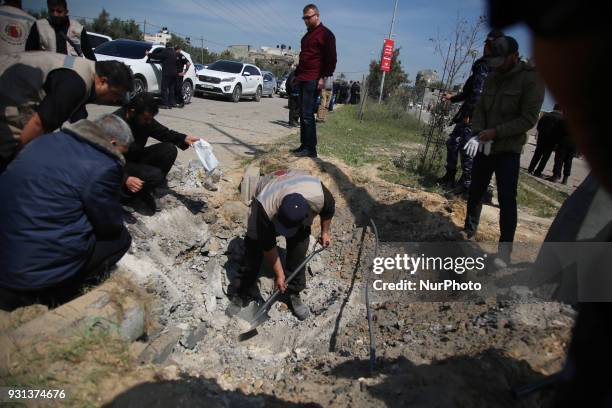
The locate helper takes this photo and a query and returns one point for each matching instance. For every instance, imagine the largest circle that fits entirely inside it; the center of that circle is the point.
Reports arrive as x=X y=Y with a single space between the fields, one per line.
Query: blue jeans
x=506 y=168
x=308 y=129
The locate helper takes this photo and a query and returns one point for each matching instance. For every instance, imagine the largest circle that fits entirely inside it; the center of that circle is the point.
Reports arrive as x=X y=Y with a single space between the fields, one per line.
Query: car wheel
x=272 y=93
x=140 y=86
x=187 y=92
x=257 y=97
x=237 y=93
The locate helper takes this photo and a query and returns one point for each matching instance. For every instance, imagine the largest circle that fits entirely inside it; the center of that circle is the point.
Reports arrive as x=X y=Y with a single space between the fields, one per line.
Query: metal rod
x=367 y=301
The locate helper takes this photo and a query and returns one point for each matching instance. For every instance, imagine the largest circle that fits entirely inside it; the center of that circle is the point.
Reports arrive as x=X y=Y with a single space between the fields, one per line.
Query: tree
x=458 y=48
x=114 y=28
x=393 y=78
x=278 y=69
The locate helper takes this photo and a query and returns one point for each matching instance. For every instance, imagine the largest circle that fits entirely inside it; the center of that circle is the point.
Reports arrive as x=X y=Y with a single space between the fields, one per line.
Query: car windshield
x=124 y=49
x=226 y=66
x=95 y=40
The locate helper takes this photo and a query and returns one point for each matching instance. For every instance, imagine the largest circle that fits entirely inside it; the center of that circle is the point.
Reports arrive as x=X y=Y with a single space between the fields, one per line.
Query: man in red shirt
x=317 y=62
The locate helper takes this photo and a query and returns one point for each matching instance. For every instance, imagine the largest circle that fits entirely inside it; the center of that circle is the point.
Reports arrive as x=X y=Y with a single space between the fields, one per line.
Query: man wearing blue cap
x=285 y=203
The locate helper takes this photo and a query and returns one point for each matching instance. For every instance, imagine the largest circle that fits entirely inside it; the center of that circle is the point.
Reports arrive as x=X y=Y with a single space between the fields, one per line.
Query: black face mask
x=58 y=21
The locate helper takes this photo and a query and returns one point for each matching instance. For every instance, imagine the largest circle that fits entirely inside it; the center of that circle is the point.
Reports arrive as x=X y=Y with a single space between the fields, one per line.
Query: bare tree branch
x=458 y=48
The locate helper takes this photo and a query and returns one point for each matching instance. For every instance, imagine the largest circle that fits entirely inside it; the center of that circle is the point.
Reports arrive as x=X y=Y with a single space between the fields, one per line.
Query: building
x=427 y=75
x=281 y=55
x=162 y=37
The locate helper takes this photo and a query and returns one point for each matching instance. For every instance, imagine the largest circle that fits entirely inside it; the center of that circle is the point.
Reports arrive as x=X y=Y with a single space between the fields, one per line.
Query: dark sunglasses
x=309 y=17
x=546 y=18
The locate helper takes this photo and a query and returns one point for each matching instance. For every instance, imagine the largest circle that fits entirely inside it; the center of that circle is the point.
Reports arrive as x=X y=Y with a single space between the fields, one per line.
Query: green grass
x=384 y=132
x=557 y=195
x=390 y=138
x=76 y=364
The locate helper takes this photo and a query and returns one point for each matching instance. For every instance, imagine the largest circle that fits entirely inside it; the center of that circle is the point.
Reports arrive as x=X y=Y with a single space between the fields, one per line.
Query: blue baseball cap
x=291 y=214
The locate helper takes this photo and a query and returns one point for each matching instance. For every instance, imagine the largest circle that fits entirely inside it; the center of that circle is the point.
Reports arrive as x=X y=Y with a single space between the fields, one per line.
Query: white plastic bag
x=204 y=151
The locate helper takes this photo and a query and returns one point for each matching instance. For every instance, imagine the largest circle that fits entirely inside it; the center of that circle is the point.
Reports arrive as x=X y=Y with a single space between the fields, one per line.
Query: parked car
x=232 y=80
x=147 y=75
x=96 y=39
x=269 y=84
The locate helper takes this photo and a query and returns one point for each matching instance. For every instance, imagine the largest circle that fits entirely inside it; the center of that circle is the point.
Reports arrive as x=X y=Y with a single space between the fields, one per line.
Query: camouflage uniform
x=463 y=130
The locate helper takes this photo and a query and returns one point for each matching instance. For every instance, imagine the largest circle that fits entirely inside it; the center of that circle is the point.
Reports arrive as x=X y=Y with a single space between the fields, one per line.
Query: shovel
x=256 y=315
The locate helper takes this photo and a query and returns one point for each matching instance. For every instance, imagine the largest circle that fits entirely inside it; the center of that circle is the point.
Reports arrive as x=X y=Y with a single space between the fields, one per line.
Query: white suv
x=147 y=76
x=231 y=79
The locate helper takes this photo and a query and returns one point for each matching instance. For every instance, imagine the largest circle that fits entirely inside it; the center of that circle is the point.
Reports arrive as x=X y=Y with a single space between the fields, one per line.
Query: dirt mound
x=429 y=354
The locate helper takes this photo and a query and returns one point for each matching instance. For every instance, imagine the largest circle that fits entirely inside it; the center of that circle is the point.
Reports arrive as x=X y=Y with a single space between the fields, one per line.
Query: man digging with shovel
x=285 y=203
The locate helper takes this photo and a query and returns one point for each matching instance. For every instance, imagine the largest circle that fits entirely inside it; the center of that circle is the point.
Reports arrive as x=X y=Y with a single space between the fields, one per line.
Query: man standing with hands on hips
x=317 y=64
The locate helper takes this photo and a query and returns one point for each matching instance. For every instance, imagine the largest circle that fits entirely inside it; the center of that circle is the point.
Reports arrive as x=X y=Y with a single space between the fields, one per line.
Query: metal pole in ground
x=382 y=82
x=364 y=95
x=367 y=301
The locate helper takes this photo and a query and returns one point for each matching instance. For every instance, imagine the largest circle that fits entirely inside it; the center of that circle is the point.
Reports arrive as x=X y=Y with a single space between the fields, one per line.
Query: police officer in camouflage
x=472 y=89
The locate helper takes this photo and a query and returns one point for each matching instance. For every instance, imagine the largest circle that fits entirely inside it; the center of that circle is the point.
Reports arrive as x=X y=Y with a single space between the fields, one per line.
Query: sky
x=360 y=26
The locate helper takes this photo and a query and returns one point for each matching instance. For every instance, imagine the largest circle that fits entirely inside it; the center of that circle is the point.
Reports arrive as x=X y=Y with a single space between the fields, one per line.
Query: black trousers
x=563 y=161
x=297 y=247
x=178 y=90
x=167 y=90
x=540 y=158
x=506 y=168
x=294 y=109
x=153 y=165
x=106 y=253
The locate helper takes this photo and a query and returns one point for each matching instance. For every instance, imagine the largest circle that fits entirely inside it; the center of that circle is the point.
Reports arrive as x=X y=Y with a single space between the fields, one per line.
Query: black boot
x=447 y=178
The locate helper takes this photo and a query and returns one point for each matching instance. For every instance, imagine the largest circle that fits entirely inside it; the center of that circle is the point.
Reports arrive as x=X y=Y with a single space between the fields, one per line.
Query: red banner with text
x=387 y=56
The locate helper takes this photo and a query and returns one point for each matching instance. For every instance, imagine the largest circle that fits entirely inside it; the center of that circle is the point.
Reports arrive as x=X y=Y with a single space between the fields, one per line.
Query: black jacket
x=167 y=58
x=155 y=130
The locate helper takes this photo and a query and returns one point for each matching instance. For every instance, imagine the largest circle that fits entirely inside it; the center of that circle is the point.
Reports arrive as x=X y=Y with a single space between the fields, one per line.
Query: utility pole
x=382 y=82
x=202 y=43
x=144 y=27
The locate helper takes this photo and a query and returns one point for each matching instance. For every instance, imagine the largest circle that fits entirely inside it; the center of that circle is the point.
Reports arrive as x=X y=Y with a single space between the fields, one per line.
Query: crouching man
x=285 y=203
x=147 y=166
x=61 y=222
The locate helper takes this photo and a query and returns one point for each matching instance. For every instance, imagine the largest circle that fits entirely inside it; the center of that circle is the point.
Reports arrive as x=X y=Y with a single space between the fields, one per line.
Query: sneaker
x=306 y=153
x=299 y=149
x=300 y=310
x=553 y=179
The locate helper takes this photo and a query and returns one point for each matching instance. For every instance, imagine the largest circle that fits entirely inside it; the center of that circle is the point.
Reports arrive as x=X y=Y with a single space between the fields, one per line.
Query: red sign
x=387 y=56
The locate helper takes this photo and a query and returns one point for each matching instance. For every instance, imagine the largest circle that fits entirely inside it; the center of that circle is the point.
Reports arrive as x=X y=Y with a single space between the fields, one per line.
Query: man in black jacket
x=147 y=166
x=548 y=137
x=182 y=66
x=167 y=58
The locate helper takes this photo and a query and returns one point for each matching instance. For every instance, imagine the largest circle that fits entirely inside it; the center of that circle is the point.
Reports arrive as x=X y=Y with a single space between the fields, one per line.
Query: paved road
x=236 y=130
x=580 y=168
